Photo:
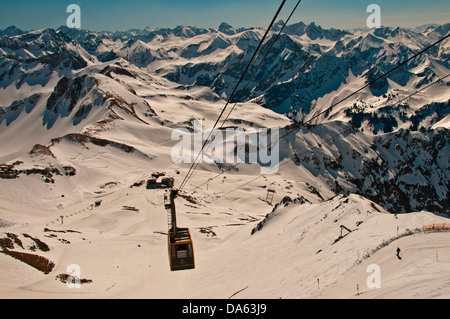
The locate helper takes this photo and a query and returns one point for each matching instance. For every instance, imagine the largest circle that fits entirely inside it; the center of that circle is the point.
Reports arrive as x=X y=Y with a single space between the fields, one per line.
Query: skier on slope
x=398 y=253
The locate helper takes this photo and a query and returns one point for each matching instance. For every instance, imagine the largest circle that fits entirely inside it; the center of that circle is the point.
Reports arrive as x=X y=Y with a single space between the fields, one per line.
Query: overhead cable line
x=195 y=163
x=260 y=64
x=348 y=130
x=319 y=145
x=424 y=88
x=378 y=78
x=297 y=126
x=250 y=80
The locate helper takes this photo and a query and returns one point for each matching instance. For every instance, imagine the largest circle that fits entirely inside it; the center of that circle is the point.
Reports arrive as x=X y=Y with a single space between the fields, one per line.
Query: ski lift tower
x=270 y=195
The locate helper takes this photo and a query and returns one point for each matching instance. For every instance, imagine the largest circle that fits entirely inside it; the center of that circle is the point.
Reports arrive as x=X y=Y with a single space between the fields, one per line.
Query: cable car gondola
x=181 y=249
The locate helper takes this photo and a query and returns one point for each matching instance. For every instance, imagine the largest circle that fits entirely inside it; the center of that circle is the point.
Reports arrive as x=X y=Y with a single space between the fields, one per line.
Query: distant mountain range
x=307 y=69
x=71 y=85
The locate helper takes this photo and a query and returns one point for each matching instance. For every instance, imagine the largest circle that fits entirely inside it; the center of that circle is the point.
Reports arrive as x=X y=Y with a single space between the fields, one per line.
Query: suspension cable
x=196 y=162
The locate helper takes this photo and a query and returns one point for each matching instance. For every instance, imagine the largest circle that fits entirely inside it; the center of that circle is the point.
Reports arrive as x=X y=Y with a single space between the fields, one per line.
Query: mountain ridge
x=87 y=119
x=66 y=82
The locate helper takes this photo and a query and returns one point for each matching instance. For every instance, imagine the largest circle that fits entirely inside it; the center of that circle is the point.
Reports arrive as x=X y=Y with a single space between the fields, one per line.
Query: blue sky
x=116 y=15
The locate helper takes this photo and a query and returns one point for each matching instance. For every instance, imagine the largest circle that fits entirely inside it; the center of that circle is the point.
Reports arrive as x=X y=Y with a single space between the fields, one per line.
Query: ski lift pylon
x=269 y=196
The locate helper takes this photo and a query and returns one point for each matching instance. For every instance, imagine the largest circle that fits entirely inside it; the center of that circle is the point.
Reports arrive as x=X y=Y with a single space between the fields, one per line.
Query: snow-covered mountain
x=66 y=81
x=87 y=117
x=308 y=69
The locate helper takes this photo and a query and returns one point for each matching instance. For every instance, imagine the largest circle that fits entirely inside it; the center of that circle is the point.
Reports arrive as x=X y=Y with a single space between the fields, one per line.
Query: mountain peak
x=11 y=31
x=277 y=26
x=424 y=27
x=226 y=28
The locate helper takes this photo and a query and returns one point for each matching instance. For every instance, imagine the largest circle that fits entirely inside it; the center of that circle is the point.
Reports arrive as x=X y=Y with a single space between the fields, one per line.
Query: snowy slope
x=125 y=256
x=87 y=118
